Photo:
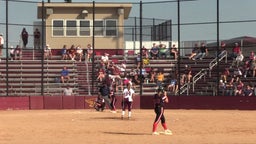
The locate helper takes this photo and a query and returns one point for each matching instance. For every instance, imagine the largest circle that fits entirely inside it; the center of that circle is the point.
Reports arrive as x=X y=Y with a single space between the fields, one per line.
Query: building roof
x=126 y=6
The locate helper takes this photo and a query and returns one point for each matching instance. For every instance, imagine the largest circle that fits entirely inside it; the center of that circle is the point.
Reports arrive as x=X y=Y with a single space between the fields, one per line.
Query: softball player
x=159 y=99
x=128 y=95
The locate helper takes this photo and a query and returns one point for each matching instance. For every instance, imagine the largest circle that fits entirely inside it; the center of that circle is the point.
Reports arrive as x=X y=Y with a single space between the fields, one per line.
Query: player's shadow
x=126 y=133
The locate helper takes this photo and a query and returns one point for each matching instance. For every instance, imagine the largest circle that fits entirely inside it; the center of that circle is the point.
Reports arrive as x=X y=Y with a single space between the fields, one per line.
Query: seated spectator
x=238 y=60
x=160 y=78
x=188 y=74
x=172 y=86
x=89 y=52
x=12 y=53
x=194 y=52
x=162 y=51
x=79 y=53
x=68 y=91
x=203 y=52
x=144 y=52
x=174 y=51
x=64 y=54
x=235 y=51
x=64 y=74
x=252 y=57
x=18 y=52
x=225 y=74
x=154 y=51
x=47 y=52
x=152 y=76
x=239 y=88
x=72 y=52
x=248 y=91
x=253 y=68
x=105 y=59
x=222 y=50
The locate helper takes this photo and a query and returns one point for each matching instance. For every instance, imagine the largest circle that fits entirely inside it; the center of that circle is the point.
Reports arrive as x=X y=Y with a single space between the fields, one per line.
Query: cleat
x=155 y=133
x=168 y=132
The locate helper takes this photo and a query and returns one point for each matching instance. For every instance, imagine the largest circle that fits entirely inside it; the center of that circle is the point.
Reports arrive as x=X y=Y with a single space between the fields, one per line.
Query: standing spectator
x=154 y=51
x=1 y=45
x=68 y=91
x=105 y=59
x=37 y=36
x=222 y=49
x=89 y=52
x=174 y=51
x=235 y=51
x=159 y=99
x=64 y=74
x=239 y=88
x=24 y=36
x=253 y=68
x=203 y=52
x=128 y=95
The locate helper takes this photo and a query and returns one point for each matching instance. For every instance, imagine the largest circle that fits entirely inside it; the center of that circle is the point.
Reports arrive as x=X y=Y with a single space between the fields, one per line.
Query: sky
x=191 y=12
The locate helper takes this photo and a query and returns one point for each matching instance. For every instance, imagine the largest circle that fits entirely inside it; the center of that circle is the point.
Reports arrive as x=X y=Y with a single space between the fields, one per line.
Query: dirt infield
x=89 y=126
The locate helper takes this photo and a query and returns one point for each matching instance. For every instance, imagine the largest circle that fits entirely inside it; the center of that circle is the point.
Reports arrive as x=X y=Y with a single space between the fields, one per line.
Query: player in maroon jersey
x=159 y=99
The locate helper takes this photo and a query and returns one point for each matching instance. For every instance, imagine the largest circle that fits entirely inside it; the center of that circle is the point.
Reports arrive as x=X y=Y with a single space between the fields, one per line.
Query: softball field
x=92 y=127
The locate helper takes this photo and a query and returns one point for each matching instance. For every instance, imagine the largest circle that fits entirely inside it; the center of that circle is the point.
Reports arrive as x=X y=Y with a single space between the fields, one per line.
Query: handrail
x=198 y=76
x=87 y=77
x=214 y=62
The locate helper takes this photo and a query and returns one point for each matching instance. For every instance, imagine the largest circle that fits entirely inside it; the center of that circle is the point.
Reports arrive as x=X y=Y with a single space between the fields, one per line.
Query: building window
x=71 y=28
x=111 y=28
x=98 y=28
x=85 y=28
x=58 y=28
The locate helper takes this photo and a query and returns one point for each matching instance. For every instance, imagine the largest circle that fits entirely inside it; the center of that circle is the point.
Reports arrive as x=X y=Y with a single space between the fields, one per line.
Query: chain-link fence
x=180 y=22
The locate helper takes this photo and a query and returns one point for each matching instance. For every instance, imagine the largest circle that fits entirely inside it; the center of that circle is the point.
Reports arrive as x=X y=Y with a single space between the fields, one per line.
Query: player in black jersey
x=159 y=99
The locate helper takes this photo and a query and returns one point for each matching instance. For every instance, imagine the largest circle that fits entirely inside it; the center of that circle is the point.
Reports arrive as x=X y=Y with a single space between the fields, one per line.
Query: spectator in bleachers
x=105 y=59
x=187 y=74
x=203 y=52
x=237 y=74
x=252 y=56
x=172 y=86
x=238 y=60
x=37 y=36
x=154 y=51
x=239 y=88
x=222 y=49
x=160 y=78
x=24 y=36
x=1 y=45
x=68 y=91
x=72 y=52
x=174 y=51
x=230 y=88
x=101 y=75
x=225 y=74
x=18 y=52
x=64 y=74
x=248 y=91
x=144 y=51
x=47 y=52
x=12 y=53
x=253 y=68
x=79 y=53
x=162 y=51
x=89 y=52
x=64 y=54
x=246 y=69
x=194 y=52
x=235 y=51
